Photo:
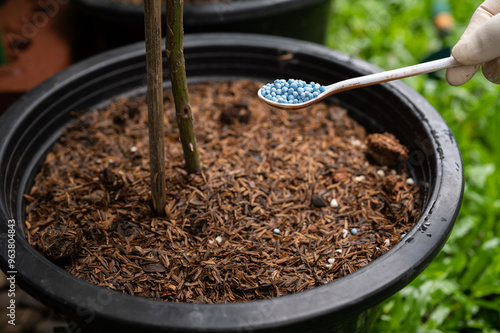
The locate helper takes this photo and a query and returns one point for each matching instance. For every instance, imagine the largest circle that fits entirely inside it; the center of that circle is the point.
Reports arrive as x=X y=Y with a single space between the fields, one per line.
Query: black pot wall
x=121 y=23
x=32 y=125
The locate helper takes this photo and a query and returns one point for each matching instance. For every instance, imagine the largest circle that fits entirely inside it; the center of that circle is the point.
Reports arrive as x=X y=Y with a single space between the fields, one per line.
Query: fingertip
x=452 y=81
x=460 y=75
x=491 y=71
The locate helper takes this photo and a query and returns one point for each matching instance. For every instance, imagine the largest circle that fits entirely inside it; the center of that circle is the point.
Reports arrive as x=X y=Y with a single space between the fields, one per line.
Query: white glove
x=478 y=46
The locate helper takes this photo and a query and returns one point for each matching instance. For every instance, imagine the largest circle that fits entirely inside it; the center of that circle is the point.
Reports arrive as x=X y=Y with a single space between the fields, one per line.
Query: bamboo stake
x=152 y=17
x=176 y=65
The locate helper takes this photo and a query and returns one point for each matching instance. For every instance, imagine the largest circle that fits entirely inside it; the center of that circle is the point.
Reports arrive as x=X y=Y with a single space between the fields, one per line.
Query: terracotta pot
x=31 y=126
x=38 y=37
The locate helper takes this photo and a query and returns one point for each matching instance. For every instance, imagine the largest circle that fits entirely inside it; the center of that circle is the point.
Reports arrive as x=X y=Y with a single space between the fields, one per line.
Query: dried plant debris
x=385 y=149
x=273 y=212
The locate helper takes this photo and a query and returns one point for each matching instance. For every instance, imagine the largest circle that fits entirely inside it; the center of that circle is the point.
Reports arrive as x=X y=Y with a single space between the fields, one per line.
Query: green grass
x=460 y=290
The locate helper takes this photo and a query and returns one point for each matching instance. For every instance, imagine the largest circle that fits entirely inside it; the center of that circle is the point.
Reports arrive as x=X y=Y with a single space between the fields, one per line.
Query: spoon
x=367 y=80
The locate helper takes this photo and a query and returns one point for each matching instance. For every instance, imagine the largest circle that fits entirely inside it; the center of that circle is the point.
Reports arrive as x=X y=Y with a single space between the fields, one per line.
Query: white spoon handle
x=391 y=75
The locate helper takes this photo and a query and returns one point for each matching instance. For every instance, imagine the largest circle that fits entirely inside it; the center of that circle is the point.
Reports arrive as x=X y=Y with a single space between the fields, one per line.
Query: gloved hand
x=478 y=46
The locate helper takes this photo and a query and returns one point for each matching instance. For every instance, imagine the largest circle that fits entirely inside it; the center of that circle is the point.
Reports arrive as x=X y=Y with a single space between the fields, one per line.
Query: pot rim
x=348 y=295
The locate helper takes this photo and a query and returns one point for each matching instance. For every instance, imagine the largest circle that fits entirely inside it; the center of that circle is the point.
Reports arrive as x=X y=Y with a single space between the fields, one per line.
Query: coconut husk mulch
x=287 y=200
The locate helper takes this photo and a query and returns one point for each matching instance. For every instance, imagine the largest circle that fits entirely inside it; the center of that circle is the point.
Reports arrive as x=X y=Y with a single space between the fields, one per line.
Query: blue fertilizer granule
x=291 y=91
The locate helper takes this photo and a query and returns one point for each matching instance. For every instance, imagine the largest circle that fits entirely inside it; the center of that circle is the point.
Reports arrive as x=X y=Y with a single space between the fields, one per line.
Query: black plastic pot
x=123 y=23
x=31 y=126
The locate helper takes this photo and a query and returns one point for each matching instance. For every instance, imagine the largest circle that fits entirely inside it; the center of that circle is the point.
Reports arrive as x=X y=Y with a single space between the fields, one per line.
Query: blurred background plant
x=460 y=290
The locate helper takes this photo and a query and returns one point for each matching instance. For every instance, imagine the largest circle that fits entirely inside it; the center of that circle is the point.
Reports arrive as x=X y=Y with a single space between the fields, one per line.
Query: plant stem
x=176 y=65
x=3 y=55
x=152 y=16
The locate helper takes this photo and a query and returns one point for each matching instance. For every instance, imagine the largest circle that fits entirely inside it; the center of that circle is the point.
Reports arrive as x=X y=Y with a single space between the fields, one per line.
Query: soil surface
x=287 y=200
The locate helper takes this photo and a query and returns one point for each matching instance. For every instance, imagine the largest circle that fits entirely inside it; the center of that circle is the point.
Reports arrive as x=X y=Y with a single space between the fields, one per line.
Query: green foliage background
x=460 y=290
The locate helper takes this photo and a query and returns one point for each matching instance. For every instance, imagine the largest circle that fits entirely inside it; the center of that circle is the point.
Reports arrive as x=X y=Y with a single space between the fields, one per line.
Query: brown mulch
x=271 y=214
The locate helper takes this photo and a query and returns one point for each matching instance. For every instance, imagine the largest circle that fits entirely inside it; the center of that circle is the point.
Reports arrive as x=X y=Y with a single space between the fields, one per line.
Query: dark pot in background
x=123 y=23
x=32 y=125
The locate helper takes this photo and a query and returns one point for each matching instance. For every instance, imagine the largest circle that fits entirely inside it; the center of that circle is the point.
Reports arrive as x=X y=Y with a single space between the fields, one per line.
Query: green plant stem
x=176 y=65
x=3 y=55
x=152 y=16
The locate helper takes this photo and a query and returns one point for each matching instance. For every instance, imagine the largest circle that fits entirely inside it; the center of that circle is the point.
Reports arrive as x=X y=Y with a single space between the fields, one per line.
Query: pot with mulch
x=122 y=21
x=301 y=221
